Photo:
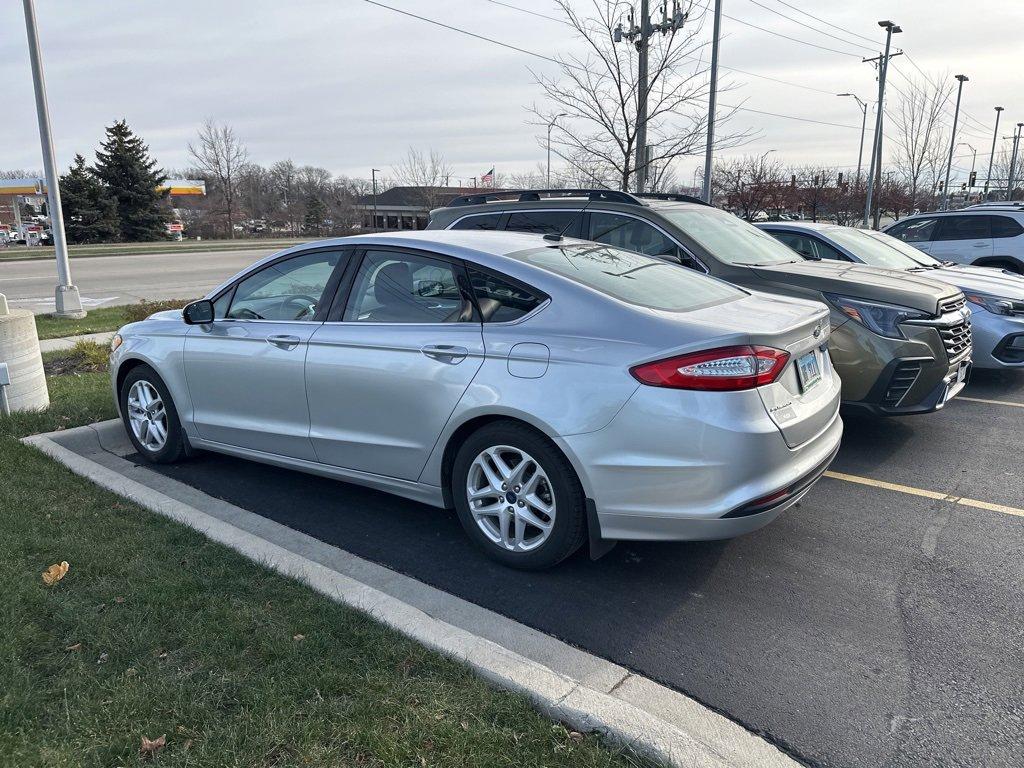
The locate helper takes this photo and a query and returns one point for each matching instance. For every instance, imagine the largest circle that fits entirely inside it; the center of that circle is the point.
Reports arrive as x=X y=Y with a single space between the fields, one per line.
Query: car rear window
x=633 y=278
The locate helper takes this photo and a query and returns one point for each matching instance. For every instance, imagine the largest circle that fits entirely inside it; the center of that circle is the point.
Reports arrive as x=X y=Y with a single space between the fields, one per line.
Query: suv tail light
x=726 y=369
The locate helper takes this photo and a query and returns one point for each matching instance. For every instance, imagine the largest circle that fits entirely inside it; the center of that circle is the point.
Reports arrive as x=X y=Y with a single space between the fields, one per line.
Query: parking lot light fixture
x=67 y=302
x=952 y=140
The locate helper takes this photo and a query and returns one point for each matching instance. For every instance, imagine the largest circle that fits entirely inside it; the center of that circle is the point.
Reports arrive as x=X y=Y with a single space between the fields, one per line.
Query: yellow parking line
x=927 y=494
x=990 y=402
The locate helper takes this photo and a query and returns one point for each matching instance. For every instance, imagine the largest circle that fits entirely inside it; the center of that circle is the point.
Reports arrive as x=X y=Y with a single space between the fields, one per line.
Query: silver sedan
x=554 y=392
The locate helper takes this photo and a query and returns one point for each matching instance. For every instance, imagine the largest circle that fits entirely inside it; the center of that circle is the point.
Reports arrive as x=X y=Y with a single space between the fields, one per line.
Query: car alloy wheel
x=147 y=415
x=511 y=498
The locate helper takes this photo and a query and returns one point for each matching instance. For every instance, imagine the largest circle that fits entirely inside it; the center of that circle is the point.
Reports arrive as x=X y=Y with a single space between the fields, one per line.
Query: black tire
x=568 y=531
x=175 y=448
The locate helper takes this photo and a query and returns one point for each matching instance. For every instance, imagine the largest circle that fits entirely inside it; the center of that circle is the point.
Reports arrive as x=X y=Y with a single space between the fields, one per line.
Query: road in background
x=110 y=280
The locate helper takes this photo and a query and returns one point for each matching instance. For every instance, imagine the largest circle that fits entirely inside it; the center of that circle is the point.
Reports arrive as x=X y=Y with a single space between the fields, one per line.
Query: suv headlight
x=995 y=304
x=883 y=319
x=115 y=342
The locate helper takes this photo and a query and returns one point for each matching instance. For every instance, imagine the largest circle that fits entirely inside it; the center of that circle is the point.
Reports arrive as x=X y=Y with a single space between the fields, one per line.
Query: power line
x=791 y=39
x=808 y=26
x=827 y=23
x=567 y=64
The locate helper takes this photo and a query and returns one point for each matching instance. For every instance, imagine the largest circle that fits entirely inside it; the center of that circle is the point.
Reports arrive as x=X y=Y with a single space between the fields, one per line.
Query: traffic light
x=973 y=179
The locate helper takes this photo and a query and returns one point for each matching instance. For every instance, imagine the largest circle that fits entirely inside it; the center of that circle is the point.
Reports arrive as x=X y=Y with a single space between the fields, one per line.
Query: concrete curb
x=628 y=709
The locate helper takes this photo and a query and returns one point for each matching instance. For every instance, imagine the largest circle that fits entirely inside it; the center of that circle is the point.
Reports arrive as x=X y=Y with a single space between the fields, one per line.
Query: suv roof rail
x=677 y=198
x=527 y=195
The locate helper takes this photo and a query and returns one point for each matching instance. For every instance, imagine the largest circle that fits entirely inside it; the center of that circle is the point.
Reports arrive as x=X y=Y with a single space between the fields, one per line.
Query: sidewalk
x=67 y=342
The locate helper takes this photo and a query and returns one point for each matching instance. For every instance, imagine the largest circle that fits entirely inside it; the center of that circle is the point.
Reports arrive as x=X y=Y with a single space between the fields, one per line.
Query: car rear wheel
x=150 y=417
x=518 y=497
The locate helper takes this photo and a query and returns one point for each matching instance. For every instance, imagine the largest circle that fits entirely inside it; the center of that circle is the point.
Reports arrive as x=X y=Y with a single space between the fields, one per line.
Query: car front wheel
x=518 y=497
x=151 y=418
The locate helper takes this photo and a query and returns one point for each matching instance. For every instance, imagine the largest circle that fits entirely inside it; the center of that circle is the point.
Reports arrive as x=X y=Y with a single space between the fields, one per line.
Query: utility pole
x=992 y=154
x=875 y=171
x=373 y=175
x=712 y=101
x=863 y=126
x=952 y=140
x=1013 y=163
x=640 y=36
x=67 y=302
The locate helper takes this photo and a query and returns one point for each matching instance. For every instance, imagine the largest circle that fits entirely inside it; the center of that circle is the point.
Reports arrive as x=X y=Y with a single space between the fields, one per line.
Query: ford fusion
x=555 y=393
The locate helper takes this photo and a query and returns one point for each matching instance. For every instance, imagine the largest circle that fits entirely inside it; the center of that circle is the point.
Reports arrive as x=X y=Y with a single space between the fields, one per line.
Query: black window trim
x=543 y=299
x=336 y=313
x=323 y=306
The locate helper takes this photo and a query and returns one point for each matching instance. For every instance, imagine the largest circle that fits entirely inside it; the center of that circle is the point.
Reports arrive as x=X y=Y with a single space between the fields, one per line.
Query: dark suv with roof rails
x=901 y=342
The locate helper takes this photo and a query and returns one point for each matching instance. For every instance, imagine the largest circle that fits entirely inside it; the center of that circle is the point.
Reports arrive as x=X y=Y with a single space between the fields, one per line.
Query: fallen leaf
x=187 y=745
x=298 y=638
x=102 y=659
x=150 y=748
x=465 y=725
x=55 y=573
x=75 y=647
x=576 y=736
x=119 y=600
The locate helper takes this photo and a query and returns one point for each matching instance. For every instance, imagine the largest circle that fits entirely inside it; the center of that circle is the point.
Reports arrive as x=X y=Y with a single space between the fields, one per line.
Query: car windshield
x=729 y=238
x=870 y=251
x=922 y=258
x=632 y=277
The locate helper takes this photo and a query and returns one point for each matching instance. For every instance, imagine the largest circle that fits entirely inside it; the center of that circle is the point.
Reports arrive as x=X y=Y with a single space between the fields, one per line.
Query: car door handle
x=284 y=341
x=981 y=245
x=445 y=353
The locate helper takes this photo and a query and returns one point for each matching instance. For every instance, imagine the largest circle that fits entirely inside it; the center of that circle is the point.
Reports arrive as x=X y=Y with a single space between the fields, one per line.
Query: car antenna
x=553 y=237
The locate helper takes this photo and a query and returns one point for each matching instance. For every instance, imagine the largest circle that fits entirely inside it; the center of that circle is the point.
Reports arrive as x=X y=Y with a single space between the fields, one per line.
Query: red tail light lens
x=726 y=369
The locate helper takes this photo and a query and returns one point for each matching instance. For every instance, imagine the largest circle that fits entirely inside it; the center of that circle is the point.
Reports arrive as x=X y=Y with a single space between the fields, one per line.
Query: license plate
x=961 y=374
x=807 y=370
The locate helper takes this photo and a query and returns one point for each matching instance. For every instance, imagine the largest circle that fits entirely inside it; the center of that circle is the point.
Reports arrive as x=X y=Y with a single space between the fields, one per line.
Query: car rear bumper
x=676 y=465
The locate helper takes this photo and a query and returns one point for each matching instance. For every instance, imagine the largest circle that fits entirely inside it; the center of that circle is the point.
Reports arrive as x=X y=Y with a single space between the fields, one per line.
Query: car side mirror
x=198 y=312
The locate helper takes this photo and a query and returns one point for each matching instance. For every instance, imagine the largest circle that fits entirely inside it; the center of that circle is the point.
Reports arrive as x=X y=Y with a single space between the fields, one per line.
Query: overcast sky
x=349 y=86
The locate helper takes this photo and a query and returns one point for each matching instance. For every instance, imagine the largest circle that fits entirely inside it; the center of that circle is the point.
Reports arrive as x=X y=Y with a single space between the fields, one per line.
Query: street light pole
x=550 y=126
x=874 y=172
x=1013 y=163
x=863 y=127
x=712 y=99
x=992 y=154
x=373 y=175
x=952 y=140
x=67 y=302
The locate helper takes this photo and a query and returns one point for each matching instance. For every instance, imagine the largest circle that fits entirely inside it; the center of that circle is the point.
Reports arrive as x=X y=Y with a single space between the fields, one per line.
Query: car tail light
x=726 y=369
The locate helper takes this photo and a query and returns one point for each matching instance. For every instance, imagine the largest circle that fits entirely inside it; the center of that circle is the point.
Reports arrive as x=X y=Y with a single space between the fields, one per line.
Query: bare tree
x=753 y=185
x=425 y=170
x=920 y=139
x=592 y=103
x=220 y=155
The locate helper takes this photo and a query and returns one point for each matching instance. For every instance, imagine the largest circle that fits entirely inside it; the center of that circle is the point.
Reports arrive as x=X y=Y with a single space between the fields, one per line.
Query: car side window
x=823 y=250
x=544 y=222
x=220 y=306
x=1004 y=226
x=396 y=287
x=479 y=221
x=631 y=235
x=963 y=228
x=286 y=290
x=916 y=231
x=501 y=301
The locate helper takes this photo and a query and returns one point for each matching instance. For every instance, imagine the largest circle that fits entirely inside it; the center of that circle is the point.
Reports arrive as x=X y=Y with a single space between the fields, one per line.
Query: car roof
x=480 y=241
x=811 y=226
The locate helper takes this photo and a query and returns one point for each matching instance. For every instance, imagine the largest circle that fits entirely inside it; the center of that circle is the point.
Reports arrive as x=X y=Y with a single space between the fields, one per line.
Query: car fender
x=165 y=355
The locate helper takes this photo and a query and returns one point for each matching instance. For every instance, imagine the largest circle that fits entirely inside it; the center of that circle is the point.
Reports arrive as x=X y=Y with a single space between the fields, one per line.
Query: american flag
x=487 y=178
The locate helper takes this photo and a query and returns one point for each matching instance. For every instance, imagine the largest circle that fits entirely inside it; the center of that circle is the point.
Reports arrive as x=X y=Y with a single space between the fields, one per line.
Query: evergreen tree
x=124 y=165
x=90 y=212
x=316 y=212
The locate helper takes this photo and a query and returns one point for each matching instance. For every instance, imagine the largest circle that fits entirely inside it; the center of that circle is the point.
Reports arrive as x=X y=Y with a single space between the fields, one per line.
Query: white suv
x=986 y=237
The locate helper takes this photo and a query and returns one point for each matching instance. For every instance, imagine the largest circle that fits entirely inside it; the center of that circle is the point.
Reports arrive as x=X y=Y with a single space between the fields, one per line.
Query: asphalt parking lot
x=879 y=623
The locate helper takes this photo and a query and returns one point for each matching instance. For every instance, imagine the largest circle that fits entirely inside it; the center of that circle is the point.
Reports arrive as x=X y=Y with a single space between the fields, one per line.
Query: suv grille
x=954 y=304
x=902 y=380
x=957 y=340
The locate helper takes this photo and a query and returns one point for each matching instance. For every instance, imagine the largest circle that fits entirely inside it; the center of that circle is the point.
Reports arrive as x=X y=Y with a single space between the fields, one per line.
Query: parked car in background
x=552 y=392
x=891 y=340
x=996 y=297
x=986 y=237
